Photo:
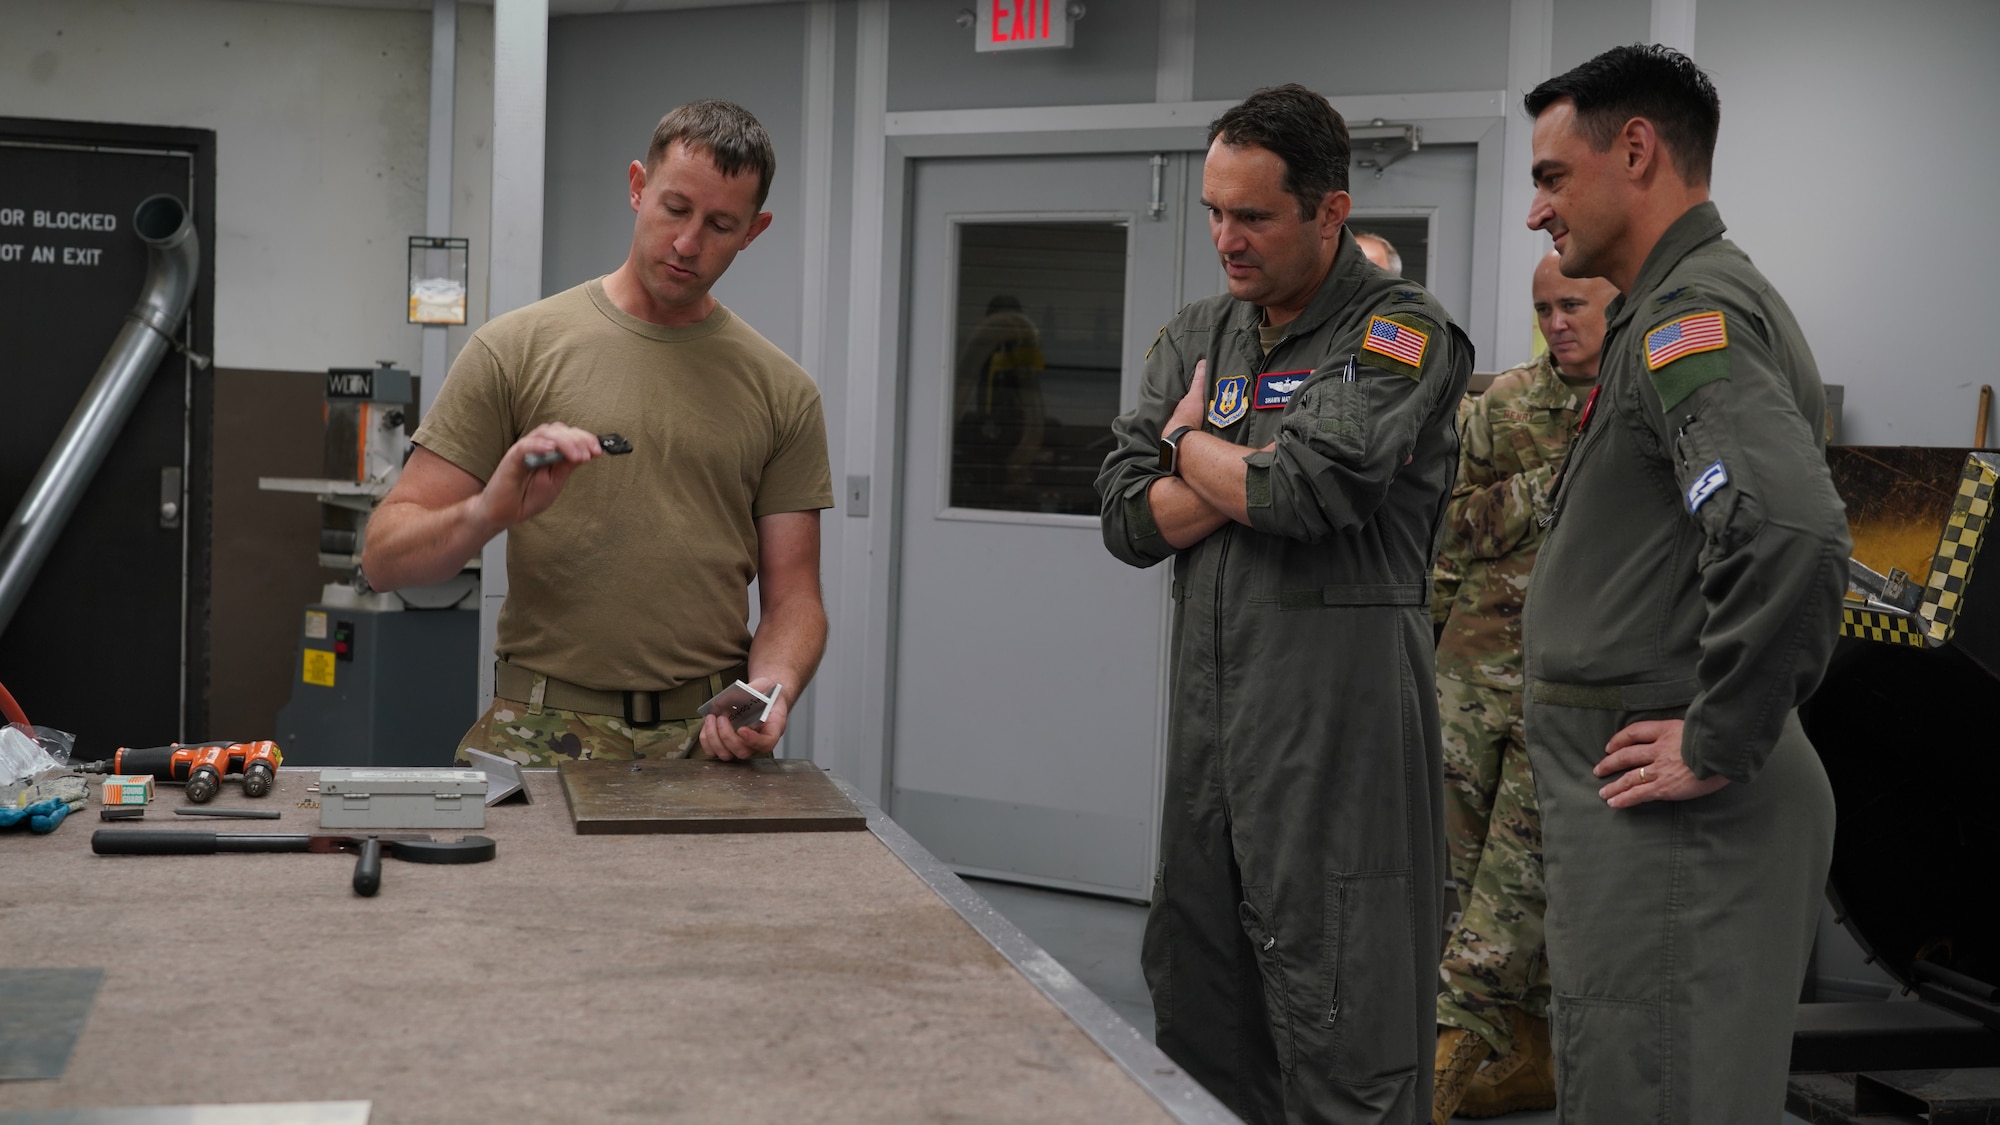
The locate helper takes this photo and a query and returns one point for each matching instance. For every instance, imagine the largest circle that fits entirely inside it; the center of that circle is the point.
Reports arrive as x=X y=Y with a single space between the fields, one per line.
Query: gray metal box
x=404 y=798
x=373 y=688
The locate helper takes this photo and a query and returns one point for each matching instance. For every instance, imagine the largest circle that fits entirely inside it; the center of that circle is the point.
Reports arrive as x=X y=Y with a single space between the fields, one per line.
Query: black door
x=109 y=643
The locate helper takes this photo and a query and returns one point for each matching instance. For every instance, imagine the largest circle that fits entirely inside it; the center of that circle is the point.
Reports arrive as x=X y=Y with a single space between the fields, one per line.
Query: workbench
x=796 y=977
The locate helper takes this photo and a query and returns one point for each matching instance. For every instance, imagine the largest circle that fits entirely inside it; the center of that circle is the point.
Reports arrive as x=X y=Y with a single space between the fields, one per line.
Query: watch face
x=1166 y=455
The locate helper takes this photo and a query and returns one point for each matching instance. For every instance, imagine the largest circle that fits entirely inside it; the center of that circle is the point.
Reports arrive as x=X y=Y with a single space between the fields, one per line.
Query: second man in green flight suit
x=1307 y=425
x=1683 y=605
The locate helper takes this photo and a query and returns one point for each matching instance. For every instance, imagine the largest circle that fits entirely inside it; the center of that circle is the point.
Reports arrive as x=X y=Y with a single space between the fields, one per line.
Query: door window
x=1038 y=347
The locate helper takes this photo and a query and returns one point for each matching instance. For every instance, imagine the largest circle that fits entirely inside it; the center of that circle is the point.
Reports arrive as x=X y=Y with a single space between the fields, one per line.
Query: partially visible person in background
x=1380 y=251
x=1495 y=999
x=998 y=407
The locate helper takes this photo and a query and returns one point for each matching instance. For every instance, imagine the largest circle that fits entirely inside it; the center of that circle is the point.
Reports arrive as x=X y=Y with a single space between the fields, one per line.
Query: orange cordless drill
x=200 y=766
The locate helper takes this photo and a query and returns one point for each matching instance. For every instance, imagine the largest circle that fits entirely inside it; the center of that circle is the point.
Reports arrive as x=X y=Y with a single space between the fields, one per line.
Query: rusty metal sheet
x=680 y=795
x=1898 y=499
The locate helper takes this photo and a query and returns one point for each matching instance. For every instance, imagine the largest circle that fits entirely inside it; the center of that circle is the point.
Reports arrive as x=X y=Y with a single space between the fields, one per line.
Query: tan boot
x=1522 y=1079
x=1459 y=1054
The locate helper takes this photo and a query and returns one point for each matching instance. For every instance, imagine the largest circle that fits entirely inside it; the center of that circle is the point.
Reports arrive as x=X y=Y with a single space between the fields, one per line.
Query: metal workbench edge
x=1187 y=1100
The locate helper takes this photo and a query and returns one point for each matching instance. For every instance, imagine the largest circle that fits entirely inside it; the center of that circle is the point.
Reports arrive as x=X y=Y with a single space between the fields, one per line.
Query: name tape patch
x=1274 y=388
x=1706 y=485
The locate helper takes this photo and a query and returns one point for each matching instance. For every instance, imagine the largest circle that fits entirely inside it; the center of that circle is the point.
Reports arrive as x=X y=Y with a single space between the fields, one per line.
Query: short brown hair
x=1643 y=80
x=1304 y=131
x=728 y=133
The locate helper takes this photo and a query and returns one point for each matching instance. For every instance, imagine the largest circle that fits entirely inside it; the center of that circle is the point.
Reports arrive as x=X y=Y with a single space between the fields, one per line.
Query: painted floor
x=1098 y=940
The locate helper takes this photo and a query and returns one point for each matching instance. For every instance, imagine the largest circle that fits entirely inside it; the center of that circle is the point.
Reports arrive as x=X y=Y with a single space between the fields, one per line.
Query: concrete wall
x=320 y=114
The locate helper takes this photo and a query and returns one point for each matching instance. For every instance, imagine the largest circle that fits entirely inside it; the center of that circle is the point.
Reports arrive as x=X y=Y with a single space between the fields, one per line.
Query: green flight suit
x=1291 y=949
x=1694 y=570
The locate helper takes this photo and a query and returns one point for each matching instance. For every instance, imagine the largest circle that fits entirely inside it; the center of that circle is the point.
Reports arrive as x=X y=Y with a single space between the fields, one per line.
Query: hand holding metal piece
x=370 y=849
x=610 y=443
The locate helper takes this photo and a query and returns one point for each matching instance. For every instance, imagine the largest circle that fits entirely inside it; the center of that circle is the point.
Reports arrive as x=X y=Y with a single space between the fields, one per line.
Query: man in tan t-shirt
x=629 y=579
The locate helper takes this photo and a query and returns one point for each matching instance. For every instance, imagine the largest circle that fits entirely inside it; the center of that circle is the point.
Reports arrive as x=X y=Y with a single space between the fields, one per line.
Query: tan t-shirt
x=637 y=577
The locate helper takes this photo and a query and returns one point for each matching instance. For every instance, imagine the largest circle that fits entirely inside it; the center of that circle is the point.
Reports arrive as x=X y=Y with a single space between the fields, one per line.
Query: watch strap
x=1173 y=441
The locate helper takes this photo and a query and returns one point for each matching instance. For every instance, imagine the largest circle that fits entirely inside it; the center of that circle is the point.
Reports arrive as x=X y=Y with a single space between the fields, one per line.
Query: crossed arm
x=1209 y=490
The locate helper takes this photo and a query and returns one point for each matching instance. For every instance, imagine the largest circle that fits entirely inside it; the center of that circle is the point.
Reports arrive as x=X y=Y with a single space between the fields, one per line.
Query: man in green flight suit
x=1292 y=451
x=1495 y=996
x=1684 y=603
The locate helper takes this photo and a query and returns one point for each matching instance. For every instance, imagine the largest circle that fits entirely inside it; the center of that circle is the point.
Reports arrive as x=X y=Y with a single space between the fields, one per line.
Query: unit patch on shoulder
x=1231 y=401
x=1400 y=342
x=1686 y=352
x=1706 y=485
x=1274 y=388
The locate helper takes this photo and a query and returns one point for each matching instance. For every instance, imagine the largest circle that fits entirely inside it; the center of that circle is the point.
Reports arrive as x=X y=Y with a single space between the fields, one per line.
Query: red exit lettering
x=1020 y=21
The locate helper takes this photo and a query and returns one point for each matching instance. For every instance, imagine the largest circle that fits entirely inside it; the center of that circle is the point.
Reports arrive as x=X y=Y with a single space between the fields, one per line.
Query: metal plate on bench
x=691 y=795
x=262 y=1113
x=42 y=1011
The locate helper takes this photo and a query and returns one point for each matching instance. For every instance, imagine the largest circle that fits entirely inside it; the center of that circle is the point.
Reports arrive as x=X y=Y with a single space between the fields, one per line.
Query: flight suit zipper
x=1578 y=447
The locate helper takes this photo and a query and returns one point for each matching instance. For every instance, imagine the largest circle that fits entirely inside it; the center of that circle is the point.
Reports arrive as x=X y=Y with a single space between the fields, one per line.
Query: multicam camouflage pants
x=549 y=737
x=1493 y=958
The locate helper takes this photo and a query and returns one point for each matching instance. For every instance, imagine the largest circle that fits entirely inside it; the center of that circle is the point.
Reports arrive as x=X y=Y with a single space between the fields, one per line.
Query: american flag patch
x=1701 y=332
x=1397 y=341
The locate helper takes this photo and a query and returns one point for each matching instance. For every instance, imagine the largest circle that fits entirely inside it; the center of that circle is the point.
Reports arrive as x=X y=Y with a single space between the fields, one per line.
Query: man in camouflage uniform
x=629 y=578
x=1495 y=997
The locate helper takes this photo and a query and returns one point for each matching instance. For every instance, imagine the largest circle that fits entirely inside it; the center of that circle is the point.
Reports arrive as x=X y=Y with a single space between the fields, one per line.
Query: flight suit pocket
x=1271 y=956
x=1373 y=1007
x=1334 y=414
x=1608 y=1053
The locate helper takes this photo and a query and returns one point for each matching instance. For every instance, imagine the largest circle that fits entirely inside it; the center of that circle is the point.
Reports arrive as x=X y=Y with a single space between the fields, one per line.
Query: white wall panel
x=611 y=78
x=1856 y=167
x=1347 y=47
x=932 y=64
x=1584 y=28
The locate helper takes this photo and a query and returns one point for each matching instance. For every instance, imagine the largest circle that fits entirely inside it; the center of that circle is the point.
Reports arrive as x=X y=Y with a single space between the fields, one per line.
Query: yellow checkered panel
x=1958 y=548
x=1889 y=628
x=1951 y=568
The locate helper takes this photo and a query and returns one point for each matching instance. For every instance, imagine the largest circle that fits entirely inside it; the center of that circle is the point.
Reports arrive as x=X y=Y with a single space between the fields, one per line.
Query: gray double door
x=1027 y=717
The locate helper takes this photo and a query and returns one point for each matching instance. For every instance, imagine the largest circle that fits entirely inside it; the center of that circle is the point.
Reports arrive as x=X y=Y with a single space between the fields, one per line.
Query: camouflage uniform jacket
x=1512 y=440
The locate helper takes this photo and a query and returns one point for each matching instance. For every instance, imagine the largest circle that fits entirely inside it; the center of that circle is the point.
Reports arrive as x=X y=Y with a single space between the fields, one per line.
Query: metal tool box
x=402 y=798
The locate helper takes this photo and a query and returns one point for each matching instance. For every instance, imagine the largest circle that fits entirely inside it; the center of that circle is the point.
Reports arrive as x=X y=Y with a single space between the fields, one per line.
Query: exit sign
x=1020 y=25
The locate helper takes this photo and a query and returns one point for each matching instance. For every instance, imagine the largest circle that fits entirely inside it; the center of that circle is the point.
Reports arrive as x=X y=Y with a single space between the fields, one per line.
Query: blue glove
x=42 y=817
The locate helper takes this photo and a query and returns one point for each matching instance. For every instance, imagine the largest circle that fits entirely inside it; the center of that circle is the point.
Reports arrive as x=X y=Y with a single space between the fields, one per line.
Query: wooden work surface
x=574 y=978
x=697 y=795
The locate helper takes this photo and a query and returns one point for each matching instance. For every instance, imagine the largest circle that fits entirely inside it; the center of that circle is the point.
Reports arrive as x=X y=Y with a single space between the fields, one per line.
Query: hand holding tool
x=369 y=849
x=609 y=443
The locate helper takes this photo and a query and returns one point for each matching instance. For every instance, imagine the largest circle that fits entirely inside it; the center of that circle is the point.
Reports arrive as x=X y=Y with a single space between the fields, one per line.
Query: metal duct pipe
x=163 y=223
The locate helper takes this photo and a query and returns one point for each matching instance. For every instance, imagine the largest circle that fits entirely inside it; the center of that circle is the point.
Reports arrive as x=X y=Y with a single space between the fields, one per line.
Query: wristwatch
x=1170 y=451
